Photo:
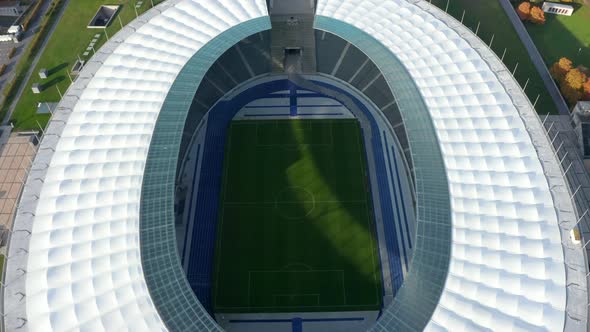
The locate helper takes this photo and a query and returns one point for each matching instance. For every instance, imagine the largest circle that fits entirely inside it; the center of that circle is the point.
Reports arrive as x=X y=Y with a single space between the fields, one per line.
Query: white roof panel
x=507 y=268
x=84 y=265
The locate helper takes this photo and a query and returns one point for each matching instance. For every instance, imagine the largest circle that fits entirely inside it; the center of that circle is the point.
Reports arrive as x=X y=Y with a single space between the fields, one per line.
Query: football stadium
x=282 y=165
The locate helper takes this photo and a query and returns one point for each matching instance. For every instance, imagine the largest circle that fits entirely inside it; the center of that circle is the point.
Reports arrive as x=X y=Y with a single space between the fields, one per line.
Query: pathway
x=535 y=57
x=34 y=64
x=21 y=47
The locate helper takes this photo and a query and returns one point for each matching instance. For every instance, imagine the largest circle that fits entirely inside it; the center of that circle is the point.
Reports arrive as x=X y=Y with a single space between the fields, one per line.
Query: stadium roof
x=84 y=267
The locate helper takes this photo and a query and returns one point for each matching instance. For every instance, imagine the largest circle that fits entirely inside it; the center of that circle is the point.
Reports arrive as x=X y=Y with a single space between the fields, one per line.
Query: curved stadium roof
x=84 y=269
x=507 y=265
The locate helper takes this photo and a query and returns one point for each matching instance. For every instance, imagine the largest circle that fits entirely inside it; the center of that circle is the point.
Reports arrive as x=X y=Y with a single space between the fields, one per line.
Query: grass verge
x=24 y=64
x=564 y=36
x=493 y=22
x=69 y=41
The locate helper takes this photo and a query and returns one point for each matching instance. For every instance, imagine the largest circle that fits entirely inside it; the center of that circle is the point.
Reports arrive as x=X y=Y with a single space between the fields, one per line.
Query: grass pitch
x=295 y=230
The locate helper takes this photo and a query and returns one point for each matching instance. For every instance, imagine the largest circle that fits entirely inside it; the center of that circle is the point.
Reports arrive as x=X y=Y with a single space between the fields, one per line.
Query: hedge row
x=32 y=15
x=26 y=61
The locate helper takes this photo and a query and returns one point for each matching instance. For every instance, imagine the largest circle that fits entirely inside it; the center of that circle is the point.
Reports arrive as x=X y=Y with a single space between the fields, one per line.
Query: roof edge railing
x=567 y=214
x=13 y=292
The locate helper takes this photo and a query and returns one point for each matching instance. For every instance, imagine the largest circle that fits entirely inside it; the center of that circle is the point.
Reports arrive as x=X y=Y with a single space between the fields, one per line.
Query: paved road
x=535 y=57
x=5 y=48
x=21 y=46
x=35 y=61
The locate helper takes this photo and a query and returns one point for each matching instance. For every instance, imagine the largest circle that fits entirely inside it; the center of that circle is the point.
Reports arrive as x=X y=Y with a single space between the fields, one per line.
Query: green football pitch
x=295 y=230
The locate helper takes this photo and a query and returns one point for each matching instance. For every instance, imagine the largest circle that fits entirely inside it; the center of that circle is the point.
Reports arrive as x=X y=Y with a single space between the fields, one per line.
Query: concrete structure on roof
x=103 y=17
x=493 y=209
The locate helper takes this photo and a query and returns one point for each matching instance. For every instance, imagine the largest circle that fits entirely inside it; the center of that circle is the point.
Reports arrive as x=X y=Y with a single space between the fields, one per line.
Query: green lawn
x=295 y=231
x=567 y=36
x=69 y=40
x=1 y=266
x=494 y=21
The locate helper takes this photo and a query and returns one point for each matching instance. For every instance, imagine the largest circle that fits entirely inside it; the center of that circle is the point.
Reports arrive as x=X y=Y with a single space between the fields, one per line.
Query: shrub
x=9 y=87
x=575 y=78
x=12 y=52
x=32 y=15
x=524 y=10
x=570 y=94
x=2 y=69
x=560 y=69
x=572 y=86
x=586 y=95
x=25 y=63
x=574 y=83
x=537 y=15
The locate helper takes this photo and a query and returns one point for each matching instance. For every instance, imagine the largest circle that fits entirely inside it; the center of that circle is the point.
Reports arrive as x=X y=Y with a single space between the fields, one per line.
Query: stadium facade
x=95 y=243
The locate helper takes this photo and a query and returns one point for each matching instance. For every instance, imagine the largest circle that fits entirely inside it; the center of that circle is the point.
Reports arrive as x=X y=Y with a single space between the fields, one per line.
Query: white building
x=557 y=8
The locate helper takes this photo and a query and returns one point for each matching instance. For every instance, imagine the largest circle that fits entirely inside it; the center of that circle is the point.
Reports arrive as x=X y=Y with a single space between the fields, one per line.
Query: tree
x=560 y=69
x=524 y=10
x=537 y=15
x=572 y=86
x=575 y=78
x=586 y=95
x=571 y=95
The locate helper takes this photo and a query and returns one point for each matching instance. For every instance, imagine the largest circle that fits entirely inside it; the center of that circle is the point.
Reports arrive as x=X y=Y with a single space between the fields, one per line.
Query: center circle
x=294 y=203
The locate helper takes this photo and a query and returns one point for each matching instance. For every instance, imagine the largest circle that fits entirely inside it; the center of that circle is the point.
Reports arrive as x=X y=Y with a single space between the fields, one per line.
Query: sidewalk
x=34 y=63
x=21 y=47
x=15 y=160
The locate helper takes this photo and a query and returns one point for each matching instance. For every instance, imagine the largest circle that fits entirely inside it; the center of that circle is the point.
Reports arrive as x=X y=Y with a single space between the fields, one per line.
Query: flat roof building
x=557 y=8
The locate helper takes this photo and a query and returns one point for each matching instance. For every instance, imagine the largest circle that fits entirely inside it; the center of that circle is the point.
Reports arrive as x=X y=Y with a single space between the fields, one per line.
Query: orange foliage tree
x=575 y=78
x=560 y=69
x=537 y=15
x=586 y=95
x=524 y=10
x=573 y=85
x=571 y=95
